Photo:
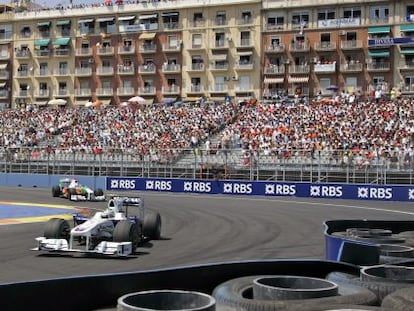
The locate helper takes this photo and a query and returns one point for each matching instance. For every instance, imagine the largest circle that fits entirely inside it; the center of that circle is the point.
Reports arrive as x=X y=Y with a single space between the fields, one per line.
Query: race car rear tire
x=152 y=226
x=57 y=228
x=126 y=231
x=56 y=191
x=98 y=192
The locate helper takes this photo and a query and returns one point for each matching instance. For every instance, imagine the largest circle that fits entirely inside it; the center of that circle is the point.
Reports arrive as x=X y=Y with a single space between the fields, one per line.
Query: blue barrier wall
x=227 y=187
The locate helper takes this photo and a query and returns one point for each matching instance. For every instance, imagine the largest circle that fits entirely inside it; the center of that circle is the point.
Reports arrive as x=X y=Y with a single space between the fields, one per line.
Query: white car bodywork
x=99 y=227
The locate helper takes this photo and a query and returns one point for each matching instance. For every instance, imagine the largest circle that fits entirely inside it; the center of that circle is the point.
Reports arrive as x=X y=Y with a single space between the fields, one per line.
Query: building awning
x=105 y=19
x=381 y=29
x=63 y=22
x=407 y=51
x=167 y=14
x=3 y=66
x=2 y=85
x=147 y=16
x=126 y=18
x=84 y=21
x=298 y=79
x=43 y=24
x=268 y=80
x=219 y=56
x=61 y=41
x=42 y=42
x=378 y=53
x=147 y=35
x=246 y=53
x=407 y=28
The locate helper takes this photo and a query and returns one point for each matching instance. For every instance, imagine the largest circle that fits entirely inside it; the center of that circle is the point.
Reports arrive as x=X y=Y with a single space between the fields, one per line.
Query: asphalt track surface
x=196 y=229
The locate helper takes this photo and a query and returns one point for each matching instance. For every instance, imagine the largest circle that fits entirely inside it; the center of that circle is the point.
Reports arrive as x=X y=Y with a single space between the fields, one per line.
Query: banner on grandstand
x=264 y=188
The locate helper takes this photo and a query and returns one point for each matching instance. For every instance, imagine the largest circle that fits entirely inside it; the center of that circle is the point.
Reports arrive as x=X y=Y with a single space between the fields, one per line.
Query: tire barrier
x=171 y=300
x=337 y=308
x=400 y=300
x=380 y=288
x=396 y=250
x=386 y=273
x=238 y=294
x=284 y=287
x=376 y=237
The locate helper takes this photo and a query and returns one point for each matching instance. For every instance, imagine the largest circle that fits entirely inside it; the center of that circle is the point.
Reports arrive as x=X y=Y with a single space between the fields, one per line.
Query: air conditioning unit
x=342 y=32
x=315 y=60
x=235 y=78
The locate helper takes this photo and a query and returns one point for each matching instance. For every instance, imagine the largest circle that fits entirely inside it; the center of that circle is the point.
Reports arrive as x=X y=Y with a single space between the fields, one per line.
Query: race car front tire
x=56 y=191
x=126 y=231
x=57 y=228
x=98 y=192
x=152 y=226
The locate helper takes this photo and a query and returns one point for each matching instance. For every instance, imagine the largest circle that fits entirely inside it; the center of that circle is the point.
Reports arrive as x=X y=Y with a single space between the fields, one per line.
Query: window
x=275 y=41
x=198 y=16
x=85 y=64
x=107 y=85
x=244 y=82
x=197 y=40
x=127 y=84
x=379 y=13
x=300 y=19
x=275 y=21
x=172 y=41
x=221 y=18
x=43 y=70
x=246 y=17
x=25 y=32
x=220 y=38
x=5 y=32
x=325 y=37
x=326 y=14
x=324 y=83
x=351 y=36
x=84 y=84
x=245 y=38
x=106 y=63
x=352 y=12
x=351 y=83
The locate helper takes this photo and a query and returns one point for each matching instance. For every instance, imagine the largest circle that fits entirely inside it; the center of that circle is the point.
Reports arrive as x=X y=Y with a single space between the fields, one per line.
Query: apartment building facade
x=189 y=49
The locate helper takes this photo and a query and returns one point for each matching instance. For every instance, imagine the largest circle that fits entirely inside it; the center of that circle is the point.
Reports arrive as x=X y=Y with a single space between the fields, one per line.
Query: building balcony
x=22 y=93
x=273 y=26
x=292 y=91
x=43 y=53
x=22 y=54
x=198 y=23
x=105 y=50
x=4 y=55
x=324 y=46
x=62 y=92
x=61 y=72
x=42 y=72
x=148 y=48
x=168 y=48
x=351 y=45
x=245 y=21
x=195 y=46
x=22 y=74
x=351 y=67
x=324 y=68
x=377 y=66
x=125 y=91
x=299 y=47
x=245 y=43
x=126 y=50
x=83 y=92
x=195 y=89
x=220 y=45
x=406 y=65
x=219 y=67
x=196 y=67
x=104 y=70
x=4 y=94
x=83 y=52
x=274 y=70
x=83 y=71
x=147 y=69
x=244 y=66
x=147 y=90
x=219 y=88
x=275 y=48
x=62 y=52
x=220 y=21
x=126 y=69
x=171 y=68
x=104 y=91
x=171 y=90
x=244 y=88
x=299 y=69
x=4 y=74
x=41 y=93
x=171 y=25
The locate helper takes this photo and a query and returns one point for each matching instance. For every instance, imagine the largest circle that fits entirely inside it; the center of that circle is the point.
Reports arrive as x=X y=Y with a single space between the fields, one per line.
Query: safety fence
x=325 y=166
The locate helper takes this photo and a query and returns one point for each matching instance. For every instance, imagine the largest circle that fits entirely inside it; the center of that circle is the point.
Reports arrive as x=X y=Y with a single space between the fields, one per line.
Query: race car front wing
x=120 y=249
